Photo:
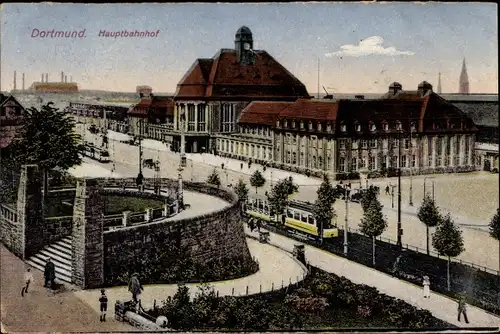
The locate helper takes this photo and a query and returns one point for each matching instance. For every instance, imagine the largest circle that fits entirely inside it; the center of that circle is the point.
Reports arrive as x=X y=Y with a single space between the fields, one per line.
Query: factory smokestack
x=71 y=79
x=42 y=77
x=15 y=80
x=65 y=78
x=46 y=77
x=23 y=81
x=62 y=76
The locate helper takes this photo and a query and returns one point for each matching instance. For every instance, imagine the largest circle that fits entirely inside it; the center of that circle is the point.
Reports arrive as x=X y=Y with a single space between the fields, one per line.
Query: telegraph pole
x=399 y=243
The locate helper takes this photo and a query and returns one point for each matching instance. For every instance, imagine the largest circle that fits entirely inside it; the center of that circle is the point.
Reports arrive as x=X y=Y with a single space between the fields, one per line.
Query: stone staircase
x=60 y=253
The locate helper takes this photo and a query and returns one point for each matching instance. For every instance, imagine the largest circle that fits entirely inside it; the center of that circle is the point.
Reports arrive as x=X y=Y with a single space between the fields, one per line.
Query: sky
x=360 y=48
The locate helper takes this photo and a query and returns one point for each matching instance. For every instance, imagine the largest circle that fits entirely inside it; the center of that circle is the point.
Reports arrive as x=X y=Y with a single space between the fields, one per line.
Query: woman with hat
x=427 y=287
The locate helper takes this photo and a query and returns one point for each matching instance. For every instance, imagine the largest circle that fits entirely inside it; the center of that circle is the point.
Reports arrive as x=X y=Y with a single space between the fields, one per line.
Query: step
x=59 y=269
x=56 y=257
x=61 y=249
x=68 y=239
x=60 y=276
x=63 y=244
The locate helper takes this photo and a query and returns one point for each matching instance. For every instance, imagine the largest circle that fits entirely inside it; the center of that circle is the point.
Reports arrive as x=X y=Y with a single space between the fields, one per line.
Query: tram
x=298 y=218
x=96 y=153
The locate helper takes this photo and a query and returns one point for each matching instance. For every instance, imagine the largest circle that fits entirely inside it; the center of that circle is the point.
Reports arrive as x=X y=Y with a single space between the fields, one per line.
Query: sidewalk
x=441 y=307
x=42 y=310
x=277 y=269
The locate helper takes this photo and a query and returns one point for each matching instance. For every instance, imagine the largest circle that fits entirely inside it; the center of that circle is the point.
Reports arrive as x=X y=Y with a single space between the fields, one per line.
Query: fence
x=481 y=288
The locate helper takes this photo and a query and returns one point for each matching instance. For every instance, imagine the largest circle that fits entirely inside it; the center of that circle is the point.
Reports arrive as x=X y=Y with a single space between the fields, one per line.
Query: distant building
x=11 y=117
x=464 y=80
x=144 y=90
x=54 y=87
x=156 y=113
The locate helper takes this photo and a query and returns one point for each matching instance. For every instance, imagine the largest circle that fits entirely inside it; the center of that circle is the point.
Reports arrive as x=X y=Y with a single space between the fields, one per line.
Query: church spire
x=439 y=84
x=464 y=80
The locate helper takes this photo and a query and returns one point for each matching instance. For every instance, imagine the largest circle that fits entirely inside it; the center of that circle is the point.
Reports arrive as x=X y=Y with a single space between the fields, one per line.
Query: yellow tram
x=299 y=217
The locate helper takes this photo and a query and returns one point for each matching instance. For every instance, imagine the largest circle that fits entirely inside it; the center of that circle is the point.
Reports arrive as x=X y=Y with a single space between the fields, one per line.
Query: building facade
x=101 y=115
x=414 y=130
x=214 y=91
x=11 y=117
x=152 y=117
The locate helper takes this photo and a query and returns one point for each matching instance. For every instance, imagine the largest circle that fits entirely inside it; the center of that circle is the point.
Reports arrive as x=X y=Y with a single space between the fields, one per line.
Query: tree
x=373 y=223
x=242 y=191
x=368 y=195
x=214 y=179
x=278 y=197
x=47 y=139
x=428 y=214
x=495 y=232
x=257 y=180
x=448 y=241
x=323 y=206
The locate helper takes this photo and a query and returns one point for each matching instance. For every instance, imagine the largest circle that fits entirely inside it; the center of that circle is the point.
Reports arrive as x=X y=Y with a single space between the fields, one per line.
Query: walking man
x=135 y=287
x=462 y=308
x=49 y=274
x=103 y=300
x=28 y=278
x=387 y=190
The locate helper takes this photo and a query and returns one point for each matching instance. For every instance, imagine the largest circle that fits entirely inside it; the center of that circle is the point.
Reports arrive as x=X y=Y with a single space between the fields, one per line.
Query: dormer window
x=277 y=123
x=385 y=126
x=293 y=124
x=373 y=128
x=329 y=127
x=310 y=125
x=413 y=126
x=286 y=123
x=302 y=124
x=398 y=125
x=343 y=128
x=319 y=126
x=357 y=127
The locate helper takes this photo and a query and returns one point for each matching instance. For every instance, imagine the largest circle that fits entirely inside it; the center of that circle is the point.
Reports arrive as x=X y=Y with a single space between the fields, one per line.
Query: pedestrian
x=28 y=278
x=241 y=165
x=427 y=287
x=49 y=274
x=462 y=308
x=135 y=287
x=222 y=165
x=387 y=190
x=396 y=267
x=103 y=301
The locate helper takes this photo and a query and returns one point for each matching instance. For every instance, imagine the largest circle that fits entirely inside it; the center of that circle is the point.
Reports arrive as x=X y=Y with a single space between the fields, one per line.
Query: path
x=44 y=311
x=277 y=268
x=441 y=306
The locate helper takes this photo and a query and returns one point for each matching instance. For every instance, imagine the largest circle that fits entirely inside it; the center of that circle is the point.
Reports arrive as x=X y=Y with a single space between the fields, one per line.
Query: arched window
x=294 y=158
x=413 y=126
x=343 y=127
x=373 y=127
x=357 y=127
x=320 y=162
x=314 y=161
x=385 y=126
x=398 y=125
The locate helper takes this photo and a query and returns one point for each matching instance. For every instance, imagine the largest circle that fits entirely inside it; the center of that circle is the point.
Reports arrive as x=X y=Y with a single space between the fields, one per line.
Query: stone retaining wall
x=57 y=228
x=217 y=235
x=11 y=233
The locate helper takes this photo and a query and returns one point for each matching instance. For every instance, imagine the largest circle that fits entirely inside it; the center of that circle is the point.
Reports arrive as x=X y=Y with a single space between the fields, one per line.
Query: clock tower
x=243 y=44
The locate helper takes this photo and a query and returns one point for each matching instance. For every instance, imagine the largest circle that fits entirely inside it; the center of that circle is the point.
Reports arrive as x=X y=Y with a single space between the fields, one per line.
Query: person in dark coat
x=103 y=303
x=462 y=308
x=135 y=287
x=49 y=274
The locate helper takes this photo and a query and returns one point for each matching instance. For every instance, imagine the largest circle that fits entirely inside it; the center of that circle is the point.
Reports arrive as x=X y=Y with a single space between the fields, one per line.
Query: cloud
x=369 y=46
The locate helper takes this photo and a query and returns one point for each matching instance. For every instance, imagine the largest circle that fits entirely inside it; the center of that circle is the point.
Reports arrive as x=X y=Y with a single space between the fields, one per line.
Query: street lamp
x=346 y=222
x=399 y=243
x=182 y=161
x=411 y=162
x=425 y=179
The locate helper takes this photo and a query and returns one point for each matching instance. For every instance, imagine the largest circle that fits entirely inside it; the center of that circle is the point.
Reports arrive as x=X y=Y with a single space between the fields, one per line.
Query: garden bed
x=321 y=301
x=481 y=288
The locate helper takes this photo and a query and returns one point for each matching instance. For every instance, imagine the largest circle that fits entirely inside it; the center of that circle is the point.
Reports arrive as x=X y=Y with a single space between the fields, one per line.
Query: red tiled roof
x=262 y=113
x=311 y=110
x=222 y=76
x=151 y=103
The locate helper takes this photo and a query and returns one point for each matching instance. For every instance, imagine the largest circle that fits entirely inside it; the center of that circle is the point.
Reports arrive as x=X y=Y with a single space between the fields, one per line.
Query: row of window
x=256 y=130
x=312 y=161
x=319 y=126
x=371 y=162
x=245 y=149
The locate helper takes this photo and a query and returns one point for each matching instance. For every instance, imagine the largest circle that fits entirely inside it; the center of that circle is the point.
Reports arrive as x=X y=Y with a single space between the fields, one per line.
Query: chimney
x=42 y=77
x=62 y=76
x=23 y=81
x=395 y=87
x=46 y=77
x=423 y=88
x=65 y=78
x=15 y=80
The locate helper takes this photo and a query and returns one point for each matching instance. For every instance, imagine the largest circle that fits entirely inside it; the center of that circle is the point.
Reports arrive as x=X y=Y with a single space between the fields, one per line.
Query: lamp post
x=346 y=222
x=411 y=162
x=182 y=162
x=399 y=242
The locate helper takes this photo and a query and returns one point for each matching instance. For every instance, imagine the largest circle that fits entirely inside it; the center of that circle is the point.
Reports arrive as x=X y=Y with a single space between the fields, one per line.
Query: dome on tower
x=424 y=84
x=395 y=85
x=244 y=30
